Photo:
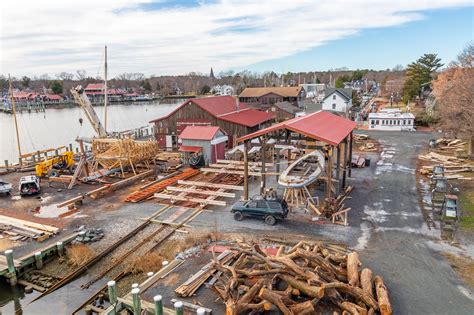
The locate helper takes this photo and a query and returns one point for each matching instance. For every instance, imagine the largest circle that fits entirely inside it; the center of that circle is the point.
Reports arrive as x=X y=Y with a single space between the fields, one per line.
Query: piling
x=135 y=285
x=158 y=299
x=178 y=308
x=150 y=274
x=11 y=267
x=70 y=146
x=200 y=311
x=39 y=260
x=137 y=307
x=6 y=164
x=112 y=292
x=60 y=248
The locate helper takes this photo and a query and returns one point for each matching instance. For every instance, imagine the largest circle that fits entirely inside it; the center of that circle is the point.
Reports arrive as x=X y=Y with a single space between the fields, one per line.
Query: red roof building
x=234 y=119
x=199 y=133
x=210 y=139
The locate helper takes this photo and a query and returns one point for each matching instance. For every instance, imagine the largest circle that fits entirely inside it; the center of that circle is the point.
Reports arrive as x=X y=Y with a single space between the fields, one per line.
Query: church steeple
x=211 y=75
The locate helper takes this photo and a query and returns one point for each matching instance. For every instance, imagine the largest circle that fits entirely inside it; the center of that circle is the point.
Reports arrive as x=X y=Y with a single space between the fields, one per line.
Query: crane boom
x=83 y=101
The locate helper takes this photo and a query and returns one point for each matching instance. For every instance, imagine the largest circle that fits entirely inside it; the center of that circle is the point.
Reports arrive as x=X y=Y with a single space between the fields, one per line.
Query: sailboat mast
x=105 y=91
x=14 y=116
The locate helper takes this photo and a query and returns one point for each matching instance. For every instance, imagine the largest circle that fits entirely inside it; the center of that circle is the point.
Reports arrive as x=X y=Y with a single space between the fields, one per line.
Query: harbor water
x=57 y=127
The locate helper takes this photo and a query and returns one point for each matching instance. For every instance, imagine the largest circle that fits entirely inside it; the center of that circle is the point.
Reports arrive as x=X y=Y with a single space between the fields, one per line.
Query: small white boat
x=303 y=171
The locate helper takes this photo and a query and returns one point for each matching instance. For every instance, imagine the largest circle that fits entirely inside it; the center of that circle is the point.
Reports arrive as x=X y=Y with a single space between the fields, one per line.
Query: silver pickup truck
x=5 y=188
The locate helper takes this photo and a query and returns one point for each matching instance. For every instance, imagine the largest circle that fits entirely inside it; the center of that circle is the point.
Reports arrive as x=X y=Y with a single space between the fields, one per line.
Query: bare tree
x=65 y=76
x=454 y=92
x=80 y=74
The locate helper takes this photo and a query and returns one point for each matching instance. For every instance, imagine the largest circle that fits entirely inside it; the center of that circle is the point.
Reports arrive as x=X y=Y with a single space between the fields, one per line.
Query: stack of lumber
x=119 y=153
x=148 y=191
x=334 y=209
x=21 y=230
x=449 y=144
x=191 y=285
x=368 y=146
x=167 y=155
x=440 y=158
x=306 y=277
x=360 y=137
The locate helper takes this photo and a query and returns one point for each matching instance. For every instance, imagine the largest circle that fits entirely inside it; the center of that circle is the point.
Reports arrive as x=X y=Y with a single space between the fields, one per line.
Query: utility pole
x=14 y=116
x=105 y=92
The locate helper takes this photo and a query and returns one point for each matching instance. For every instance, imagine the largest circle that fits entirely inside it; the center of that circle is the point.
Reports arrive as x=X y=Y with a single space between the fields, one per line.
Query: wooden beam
x=210 y=185
x=235 y=166
x=191 y=199
x=201 y=192
x=242 y=163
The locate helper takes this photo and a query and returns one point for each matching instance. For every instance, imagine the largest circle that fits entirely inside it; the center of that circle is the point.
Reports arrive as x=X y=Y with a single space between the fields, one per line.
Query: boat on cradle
x=303 y=171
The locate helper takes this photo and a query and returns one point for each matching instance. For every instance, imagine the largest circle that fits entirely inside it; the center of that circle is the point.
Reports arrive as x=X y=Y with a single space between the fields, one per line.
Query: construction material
x=201 y=192
x=89 y=236
x=174 y=198
x=159 y=186
x=440 y=158
x=210 y=185
x=261 y=282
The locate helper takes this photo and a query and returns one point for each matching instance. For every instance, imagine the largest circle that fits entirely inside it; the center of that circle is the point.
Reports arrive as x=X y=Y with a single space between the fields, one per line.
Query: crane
x=83 y=101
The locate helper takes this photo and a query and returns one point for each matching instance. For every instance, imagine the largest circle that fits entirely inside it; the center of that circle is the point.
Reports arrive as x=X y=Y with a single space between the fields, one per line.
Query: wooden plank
x=22 y=224
x=149 y=307
x=236 y=167
x=242 y=163
x=210 y=185
x=191 y=199
x=227 y=171
x=202 y=192
x=175 y=215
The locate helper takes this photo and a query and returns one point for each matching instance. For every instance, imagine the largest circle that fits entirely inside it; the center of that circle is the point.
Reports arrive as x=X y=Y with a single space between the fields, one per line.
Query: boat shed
x=320 y=130
x=226 y=112
x=210 y=140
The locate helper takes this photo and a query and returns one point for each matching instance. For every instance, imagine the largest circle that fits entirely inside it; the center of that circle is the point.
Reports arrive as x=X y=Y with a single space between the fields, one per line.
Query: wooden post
x=14 y=118
x=263 y=156
x=338 y=166
x=329 y=174
x=350 y=154
x=246 y=171
x=83 y=153
x=278 y=164
x=158 y=304
x=344 y=172
x=105 y=90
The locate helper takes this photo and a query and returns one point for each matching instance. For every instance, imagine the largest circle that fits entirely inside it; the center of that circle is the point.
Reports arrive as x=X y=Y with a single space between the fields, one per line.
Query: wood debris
x=298 y=280
x=334 y=209
x=360 y=137
x=440 y=158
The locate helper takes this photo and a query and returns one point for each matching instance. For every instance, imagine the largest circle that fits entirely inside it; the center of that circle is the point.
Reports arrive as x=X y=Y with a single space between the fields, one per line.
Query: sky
x=161 y=37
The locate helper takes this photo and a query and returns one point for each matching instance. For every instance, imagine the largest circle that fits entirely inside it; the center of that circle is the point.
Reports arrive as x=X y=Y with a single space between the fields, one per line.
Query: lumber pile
x=333 y=209
x=450 y=144
x=360 y=137
x=299 y=280
x=22 y=230
x=440 y=158
x=368 y=146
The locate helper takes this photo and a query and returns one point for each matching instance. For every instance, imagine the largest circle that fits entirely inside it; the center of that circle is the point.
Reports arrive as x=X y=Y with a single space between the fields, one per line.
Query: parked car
x=270 y=210
x=29 y=185
x=5 y=188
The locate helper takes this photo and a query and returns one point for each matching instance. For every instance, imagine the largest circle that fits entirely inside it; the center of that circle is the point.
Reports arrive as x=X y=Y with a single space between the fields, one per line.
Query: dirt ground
x=387 y=227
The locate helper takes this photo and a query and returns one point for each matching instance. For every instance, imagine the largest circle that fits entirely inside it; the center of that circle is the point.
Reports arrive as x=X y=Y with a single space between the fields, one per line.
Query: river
x=58 y=127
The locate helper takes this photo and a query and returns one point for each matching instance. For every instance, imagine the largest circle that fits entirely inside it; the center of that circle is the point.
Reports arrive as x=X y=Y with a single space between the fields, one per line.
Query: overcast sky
x=176 y=37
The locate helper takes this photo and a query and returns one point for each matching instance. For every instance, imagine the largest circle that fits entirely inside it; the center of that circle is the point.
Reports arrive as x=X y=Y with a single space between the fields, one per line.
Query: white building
x=391 y=119
x=314 y=90
x=337 y=100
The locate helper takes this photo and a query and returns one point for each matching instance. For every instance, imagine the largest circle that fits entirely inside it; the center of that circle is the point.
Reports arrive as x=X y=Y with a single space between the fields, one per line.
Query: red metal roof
x=53 y=97
x=322 y=126
x=199 y=132
x=189 y=148
x=248 y=117
x=95 y=86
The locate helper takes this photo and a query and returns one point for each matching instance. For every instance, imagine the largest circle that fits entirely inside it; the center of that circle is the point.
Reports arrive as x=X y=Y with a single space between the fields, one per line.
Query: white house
x=337 y=100
x=391 y=119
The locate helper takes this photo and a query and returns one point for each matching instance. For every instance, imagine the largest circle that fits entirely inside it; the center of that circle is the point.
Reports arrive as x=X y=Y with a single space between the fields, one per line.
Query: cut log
x=366 y=281
x=311 y=291
x=275 y=299
x=356 y=292
x=382 y=296
x=352 y=308
x=353 y=264
x=302 y=308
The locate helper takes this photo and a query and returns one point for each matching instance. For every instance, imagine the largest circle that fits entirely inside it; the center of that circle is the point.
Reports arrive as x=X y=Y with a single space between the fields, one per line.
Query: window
x=334 y=97
x=372 y=122
x=404 y=122
x=334 y=106
x=252 y=204
x=262 y=204
x=377 y=122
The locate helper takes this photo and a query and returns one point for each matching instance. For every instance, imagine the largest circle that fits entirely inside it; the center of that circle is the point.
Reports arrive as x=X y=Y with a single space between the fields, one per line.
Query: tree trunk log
x=353 y=308
x=366 y=281
x=353 y=264
x=311 y=291
x=382 y=296
x=275 y=299
x=356 y=292
x=302 y=308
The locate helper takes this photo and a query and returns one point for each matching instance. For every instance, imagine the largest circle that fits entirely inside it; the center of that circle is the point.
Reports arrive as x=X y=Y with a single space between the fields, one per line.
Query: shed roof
x=322 y=126
x=285 y=91
x=199 y=132
x=226 y=108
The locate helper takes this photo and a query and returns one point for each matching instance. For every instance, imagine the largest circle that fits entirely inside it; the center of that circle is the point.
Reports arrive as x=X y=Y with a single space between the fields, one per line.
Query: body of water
x=58 y=127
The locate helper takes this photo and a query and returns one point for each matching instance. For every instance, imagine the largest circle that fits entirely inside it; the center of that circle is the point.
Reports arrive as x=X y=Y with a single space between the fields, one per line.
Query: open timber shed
x=319 y=130
x=210 y=139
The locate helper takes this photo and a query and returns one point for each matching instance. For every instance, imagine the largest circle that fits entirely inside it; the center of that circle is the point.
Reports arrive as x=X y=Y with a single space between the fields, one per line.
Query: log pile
x=299 y=280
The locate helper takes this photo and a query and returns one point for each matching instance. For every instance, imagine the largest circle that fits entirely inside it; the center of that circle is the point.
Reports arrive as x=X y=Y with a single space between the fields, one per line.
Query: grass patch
x=78 y=254
x=146 y=263
x=463 y=265
x=466 y=201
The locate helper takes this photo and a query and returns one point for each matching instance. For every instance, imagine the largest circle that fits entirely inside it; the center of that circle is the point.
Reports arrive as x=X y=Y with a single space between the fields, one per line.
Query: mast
x=105 y=91
x=14 y=116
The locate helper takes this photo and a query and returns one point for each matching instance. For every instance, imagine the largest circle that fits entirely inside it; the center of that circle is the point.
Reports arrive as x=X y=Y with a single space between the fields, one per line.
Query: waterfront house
x=391 y=119
x=338 y=100
x=234 y=118
x=267 y=96
x=210 y=140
